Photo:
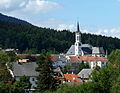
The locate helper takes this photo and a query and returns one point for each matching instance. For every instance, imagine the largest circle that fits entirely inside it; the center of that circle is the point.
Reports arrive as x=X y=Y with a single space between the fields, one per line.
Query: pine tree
x=46 y=80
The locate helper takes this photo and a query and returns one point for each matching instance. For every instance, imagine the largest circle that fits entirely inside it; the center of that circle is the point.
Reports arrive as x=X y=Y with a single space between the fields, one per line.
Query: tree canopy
x=46 y=80
x=114 y=57
x=32 y=39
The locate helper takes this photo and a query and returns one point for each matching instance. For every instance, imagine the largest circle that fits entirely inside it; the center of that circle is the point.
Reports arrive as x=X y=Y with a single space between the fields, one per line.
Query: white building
x=93 y=61
x=79 y=49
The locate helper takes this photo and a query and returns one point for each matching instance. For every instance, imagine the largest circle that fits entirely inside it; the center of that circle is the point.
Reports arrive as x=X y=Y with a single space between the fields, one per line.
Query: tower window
x=77 y=37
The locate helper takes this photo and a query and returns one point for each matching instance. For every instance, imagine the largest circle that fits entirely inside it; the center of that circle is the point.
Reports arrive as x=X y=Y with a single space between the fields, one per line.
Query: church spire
x=78 y=29
x=77 y=41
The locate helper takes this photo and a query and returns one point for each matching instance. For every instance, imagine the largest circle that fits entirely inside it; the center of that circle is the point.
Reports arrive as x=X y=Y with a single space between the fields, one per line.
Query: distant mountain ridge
x=13 y=19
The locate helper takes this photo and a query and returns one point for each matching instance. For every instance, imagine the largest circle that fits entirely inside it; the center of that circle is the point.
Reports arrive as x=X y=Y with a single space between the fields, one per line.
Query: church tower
x=77 y=41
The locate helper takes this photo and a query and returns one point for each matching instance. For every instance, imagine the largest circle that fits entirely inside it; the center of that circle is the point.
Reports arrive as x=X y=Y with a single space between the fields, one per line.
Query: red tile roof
x=87 y=58
x=72 y=77
x=27 y=55
x=54 y=58
x=92 y=58
x=74 y=58
x=24 y=56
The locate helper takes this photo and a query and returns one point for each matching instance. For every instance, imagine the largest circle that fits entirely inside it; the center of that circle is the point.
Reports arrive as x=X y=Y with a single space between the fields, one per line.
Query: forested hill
x=34 y=39
x=12 y=19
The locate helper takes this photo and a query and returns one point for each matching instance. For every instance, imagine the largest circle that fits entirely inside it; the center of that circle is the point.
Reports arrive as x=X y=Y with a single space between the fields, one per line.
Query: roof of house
x=74 y=58
x=92 y=58
x=24 y=56
x=27 y=55
x=58 y=70
x=85 y=73
x=54 y=58
x=87 y=58
x=72 y=77
x=59 y=57
x=27 y=69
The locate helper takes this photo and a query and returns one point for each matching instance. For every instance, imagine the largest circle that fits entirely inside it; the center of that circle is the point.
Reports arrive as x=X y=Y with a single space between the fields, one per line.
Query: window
x=33 y=79
x=77 y=37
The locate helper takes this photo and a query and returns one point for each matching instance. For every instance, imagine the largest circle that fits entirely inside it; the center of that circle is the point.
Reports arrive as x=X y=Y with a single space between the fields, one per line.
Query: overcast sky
x=95 y=16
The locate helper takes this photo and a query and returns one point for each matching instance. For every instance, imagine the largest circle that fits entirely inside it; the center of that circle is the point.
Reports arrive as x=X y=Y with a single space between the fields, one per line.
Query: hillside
x=33 y=39
x=12 y=19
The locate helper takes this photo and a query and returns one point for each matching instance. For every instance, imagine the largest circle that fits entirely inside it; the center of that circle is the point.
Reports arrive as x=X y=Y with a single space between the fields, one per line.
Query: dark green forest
x=32 y=39
x=6 y=18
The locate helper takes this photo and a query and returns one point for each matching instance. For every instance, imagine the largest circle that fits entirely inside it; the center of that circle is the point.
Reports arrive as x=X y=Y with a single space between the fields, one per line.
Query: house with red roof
x=72 y=79
x=93 y=61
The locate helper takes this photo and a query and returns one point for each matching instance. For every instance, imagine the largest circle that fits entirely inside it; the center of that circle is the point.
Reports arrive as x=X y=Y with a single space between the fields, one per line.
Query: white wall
x=93 y=64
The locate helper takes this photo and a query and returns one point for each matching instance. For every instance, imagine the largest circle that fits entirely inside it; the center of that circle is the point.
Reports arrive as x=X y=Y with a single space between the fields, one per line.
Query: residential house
x=59 y=60
x=72 y=79
x=85 y=74
x=94 y=61
x=20 y=69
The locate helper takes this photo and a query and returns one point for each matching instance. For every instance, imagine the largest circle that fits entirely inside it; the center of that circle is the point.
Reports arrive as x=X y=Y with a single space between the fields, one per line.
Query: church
x=79 y=49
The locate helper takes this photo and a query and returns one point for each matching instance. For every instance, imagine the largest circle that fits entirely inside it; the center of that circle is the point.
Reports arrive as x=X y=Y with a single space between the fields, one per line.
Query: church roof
x=86 y=45
x=71 y=51
x=98 y=50
x=85 y=48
